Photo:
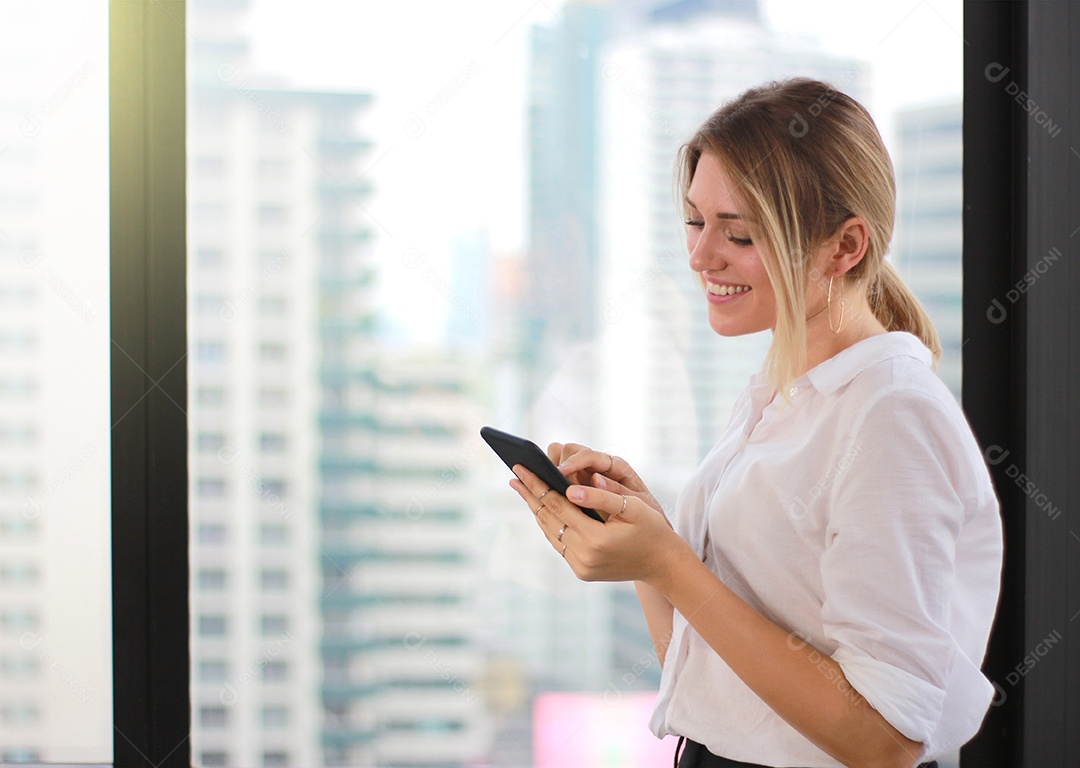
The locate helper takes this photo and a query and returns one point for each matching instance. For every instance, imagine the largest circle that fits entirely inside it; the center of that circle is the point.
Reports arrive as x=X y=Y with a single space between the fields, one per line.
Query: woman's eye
x=742 y=242
x=696 y=224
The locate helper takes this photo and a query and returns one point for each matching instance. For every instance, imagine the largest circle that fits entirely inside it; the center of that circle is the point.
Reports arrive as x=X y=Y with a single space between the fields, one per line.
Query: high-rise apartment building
x=332 y=566
x=55 y=650
x=403 y=675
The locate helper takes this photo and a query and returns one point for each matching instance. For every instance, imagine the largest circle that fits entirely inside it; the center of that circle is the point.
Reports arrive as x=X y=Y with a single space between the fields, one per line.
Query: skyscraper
x=55 y=651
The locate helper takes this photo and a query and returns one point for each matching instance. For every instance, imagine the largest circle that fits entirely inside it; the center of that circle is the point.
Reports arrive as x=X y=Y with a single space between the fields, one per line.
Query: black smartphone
x=517 y=450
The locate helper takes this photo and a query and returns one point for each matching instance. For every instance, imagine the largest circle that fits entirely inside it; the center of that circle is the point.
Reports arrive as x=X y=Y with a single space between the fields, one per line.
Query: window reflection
x=356 y=315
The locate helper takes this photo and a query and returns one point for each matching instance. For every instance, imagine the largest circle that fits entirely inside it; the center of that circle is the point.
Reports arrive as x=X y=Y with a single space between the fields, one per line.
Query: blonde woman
x=823 y=592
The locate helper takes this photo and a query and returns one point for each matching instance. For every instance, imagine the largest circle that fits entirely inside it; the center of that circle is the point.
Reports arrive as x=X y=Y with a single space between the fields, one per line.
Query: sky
x=448 y=117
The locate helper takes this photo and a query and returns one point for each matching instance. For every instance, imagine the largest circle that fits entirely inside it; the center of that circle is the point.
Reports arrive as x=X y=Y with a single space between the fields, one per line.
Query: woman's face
x=739 y=295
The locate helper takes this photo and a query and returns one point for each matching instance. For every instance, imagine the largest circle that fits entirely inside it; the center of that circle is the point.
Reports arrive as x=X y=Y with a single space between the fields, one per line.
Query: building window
x=273 y=398
x=271 y=351
x=211 y=488
x=19 y=713
x=212 y=579
x=275 y=716
x=274 y=625
x=209 y=304
x=212 y=626
x=209 y=258
x=213 y=670
x=213 y=717
x=211 y=396
x=273 y=489
x=275 y=671
x=273 y=169
x=210 y=167
x=19 y=667
x=272 y=215
x=14 y=575
x=18 y=620
x=273 y=306
x=210 y=351
x=274 y=579
x=18 y=755
x=210 y=441
x=215 y=759
x=272 y=442
x=211 y=533
x=274 y=534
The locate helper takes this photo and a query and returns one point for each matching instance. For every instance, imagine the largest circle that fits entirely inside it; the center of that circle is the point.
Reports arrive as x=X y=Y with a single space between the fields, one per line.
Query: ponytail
x=896 y=308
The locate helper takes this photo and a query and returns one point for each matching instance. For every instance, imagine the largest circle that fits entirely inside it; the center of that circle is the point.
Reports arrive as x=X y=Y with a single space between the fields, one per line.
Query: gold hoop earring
x=843 y=305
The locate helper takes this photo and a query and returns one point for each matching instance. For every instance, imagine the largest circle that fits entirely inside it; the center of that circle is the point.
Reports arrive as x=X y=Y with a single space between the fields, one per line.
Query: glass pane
x=55 y=615
x=429 y=217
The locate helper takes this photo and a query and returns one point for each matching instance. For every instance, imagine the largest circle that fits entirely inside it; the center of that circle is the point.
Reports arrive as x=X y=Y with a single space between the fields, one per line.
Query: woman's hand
x=636 y=542
x=584 y=466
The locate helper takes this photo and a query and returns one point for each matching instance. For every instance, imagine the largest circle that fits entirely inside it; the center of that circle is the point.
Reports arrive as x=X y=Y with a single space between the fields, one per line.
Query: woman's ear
x=848 y=246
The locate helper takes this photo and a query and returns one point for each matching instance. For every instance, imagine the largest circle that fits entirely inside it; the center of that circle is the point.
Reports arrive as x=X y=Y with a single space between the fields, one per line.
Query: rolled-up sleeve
x=889 y=559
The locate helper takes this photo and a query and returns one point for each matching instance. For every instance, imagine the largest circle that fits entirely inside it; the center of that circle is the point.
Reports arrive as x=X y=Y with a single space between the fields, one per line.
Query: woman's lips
x=724 y=293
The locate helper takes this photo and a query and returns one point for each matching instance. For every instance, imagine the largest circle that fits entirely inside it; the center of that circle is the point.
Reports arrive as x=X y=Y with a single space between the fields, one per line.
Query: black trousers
x=690 y=754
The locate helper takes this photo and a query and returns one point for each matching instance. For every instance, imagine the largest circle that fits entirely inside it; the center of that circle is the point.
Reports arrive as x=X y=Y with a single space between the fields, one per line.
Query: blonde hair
x=806 y=158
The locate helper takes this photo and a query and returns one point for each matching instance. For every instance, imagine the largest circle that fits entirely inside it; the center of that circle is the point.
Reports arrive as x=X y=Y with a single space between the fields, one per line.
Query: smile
x=727 y=290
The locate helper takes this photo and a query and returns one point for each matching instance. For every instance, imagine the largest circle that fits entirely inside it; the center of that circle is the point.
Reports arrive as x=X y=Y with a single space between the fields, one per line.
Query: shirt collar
x=838 y=370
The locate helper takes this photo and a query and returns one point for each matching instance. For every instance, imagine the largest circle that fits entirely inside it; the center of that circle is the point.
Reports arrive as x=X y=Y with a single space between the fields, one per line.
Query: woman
x=824 y=591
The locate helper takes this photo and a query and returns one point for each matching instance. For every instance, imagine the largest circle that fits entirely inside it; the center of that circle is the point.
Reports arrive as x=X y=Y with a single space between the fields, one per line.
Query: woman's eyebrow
x=690 y=202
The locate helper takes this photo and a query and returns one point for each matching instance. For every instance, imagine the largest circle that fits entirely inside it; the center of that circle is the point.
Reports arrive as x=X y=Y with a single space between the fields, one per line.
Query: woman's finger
x=613 y=504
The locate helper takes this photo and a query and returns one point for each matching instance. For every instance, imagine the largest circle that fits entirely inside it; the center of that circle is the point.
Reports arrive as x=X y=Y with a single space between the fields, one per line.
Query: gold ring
x=542 y=495
x=564 y=551
x=537 y=510
x=623 y=506
x=561 y=532
x=612 y=464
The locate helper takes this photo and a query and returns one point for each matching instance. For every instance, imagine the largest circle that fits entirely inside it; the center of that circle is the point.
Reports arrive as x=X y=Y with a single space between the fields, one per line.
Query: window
x=274 y=580
x=213 y=670
x=275 y=716
x=211 y=533
x=211 y=487
x=215 y=759
x=209 y=442
x=270 y=351
x=212 y=579
x=273 y=534
x=211 y=396
x=273 y=398
x=213 y=717
x=274 y=625
x=272 y=442
x=210 y=351
x=275 y=671
x=212 y=626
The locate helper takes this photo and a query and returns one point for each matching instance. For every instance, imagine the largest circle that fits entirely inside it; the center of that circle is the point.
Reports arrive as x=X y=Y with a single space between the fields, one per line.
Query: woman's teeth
x=727 y=290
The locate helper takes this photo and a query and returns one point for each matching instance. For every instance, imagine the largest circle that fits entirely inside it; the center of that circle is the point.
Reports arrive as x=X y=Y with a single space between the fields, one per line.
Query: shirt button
x=793 y=391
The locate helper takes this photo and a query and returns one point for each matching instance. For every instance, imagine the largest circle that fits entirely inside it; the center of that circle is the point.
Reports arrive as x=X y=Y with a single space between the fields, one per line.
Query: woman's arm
x=658 y=616
x=801 y=684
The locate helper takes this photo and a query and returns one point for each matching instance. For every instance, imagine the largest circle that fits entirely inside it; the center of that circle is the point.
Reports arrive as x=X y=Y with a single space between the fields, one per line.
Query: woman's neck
x=858 y=323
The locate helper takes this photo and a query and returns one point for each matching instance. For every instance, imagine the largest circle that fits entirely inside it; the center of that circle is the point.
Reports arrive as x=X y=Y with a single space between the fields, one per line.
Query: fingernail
x=575 y=494
x=600 y=480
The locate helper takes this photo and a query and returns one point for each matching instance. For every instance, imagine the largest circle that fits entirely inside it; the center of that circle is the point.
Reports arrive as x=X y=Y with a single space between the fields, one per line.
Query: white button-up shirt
x=861 y=518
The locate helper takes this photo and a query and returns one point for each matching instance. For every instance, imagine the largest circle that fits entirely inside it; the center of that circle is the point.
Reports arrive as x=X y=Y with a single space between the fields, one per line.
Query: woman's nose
x=705 y=254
